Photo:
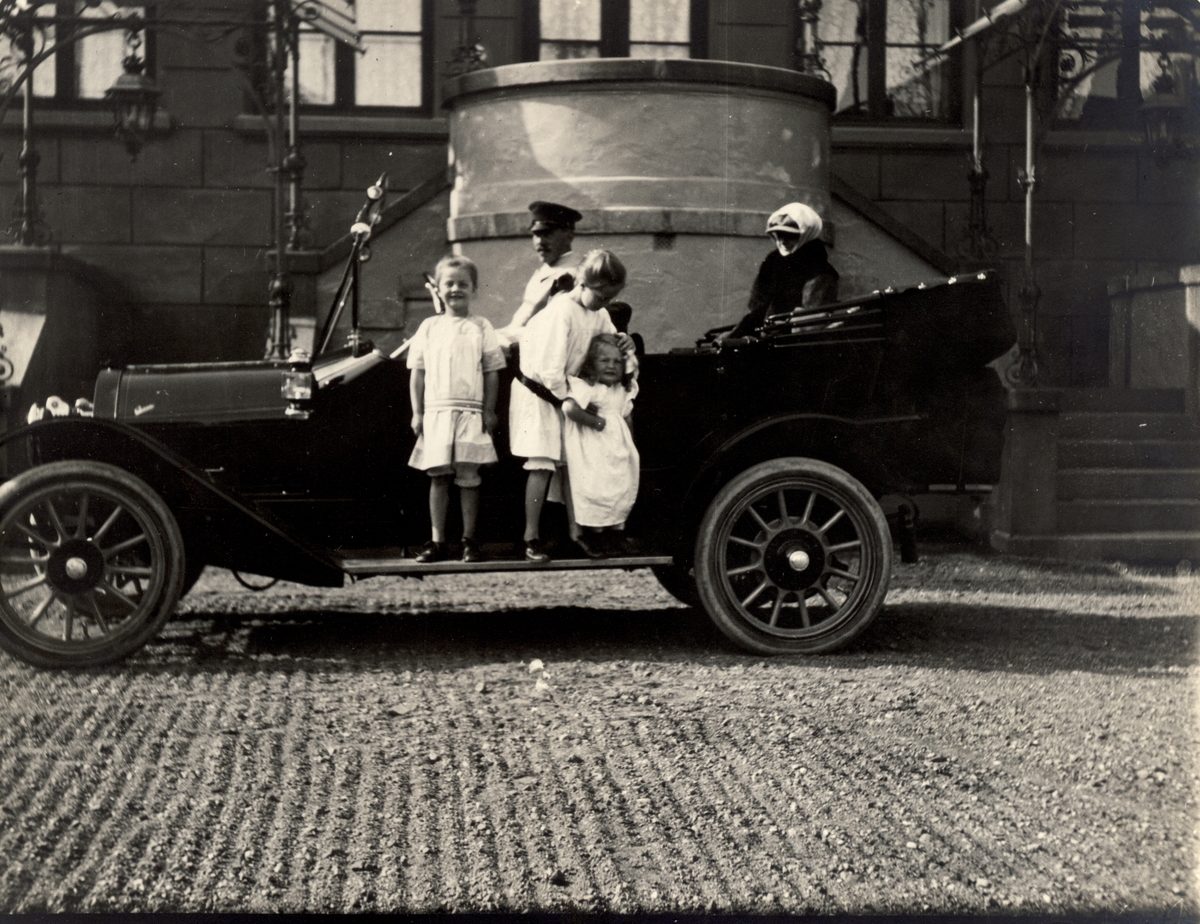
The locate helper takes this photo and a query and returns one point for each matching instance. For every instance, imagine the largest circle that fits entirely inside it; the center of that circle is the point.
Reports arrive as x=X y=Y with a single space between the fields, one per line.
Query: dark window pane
x=1088 y=28
x=856 y=63
x=914 y=92
x=842 y=28
x=1100 y=86
x=753 y=31
x=918 y=22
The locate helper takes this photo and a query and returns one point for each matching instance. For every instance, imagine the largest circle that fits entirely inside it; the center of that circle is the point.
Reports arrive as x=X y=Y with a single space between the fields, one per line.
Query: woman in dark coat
x=797 y=274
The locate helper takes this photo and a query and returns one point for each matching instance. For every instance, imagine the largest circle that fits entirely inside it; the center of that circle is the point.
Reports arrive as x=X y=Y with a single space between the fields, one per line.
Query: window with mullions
x=871 y=49
x=569 y=29
x=85 y=69
x=393 y=72
x=614 y=28
x=1114 y=54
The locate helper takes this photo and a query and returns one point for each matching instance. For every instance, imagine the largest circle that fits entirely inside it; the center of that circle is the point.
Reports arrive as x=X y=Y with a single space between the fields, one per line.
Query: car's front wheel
x=91 y=564
x=793 y=556
x=192 y=571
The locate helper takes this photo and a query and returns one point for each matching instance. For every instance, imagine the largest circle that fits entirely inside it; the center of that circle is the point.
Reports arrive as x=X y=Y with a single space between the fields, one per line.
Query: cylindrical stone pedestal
x=674 y=164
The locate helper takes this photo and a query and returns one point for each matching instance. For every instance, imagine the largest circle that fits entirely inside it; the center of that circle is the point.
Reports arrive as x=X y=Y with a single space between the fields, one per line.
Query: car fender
x=829 y=438
x=219 y=527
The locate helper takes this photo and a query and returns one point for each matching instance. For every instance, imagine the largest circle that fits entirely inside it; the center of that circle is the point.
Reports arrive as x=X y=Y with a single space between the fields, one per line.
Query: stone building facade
x=185 y=229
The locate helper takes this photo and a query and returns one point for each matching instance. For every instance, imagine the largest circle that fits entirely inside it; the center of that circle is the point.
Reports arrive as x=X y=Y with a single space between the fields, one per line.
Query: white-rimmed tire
x=793 y=556
x=91 y=564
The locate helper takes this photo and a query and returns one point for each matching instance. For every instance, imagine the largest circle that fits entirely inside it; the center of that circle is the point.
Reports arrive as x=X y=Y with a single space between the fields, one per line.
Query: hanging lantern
x=1163 y=111
x=133 y=99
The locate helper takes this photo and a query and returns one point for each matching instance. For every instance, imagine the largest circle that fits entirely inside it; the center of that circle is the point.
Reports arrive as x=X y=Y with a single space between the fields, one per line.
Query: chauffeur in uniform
x=553 y=230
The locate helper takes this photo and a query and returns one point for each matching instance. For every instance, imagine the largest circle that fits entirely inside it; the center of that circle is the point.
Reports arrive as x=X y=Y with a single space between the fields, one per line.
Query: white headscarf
x=794 y=218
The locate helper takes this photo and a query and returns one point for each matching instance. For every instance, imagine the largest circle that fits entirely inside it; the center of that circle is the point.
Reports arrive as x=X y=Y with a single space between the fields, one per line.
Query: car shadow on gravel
x=559 y=633
x=947 y=636
x=1028 y=640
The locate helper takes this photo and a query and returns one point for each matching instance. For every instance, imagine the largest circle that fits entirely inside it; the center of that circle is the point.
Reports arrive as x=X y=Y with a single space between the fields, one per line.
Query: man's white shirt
x=537 y=294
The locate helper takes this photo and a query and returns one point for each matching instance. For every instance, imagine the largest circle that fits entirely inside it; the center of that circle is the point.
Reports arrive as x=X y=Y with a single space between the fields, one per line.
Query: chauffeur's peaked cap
x=550 y=215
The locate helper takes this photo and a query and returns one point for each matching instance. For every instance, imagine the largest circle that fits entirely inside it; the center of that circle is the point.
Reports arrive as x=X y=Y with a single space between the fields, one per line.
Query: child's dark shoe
x=536 y=552
x=472 y=552
x=590 y=546
x=431 y=551
x=624 y=546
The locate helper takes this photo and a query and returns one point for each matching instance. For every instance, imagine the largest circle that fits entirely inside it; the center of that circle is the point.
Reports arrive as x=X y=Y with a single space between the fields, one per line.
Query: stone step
x=1122 y=400
x=1097 y=425
x=1151 y=548
x=1074 y=453
x=1126 y=515
x=1157 y=547
x=1117 y=484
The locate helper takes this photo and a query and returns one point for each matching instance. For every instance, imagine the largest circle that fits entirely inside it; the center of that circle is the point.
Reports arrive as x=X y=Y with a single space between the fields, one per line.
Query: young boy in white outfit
x=455 y=359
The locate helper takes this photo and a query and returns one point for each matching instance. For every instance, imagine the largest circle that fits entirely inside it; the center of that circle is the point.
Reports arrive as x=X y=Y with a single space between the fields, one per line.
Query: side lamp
x=133 y=98
x=1164 y=113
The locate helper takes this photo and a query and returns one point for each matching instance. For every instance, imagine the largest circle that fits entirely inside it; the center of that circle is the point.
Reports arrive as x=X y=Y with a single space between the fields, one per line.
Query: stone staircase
x=1124 y=484
x=1128 y=476
x=1114 y=473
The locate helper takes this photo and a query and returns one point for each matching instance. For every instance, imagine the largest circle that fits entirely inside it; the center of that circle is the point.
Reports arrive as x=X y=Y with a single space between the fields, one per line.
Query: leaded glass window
x=390 y=72
x=83 y=69
x=659 y=29
x=1113 y=54
x=871 y=49
x=569 y=29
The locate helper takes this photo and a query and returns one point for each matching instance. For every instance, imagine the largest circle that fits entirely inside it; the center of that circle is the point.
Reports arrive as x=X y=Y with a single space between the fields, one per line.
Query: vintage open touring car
x=762 y=468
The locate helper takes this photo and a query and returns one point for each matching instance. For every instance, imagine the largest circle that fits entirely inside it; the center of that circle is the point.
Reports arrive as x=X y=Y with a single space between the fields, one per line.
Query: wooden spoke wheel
x=91 y=564
x=793 y=556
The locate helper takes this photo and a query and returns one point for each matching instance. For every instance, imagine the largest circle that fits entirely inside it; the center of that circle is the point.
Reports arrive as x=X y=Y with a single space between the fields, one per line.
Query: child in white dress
x=455 y=359
x=553 y=347
x=602 y=461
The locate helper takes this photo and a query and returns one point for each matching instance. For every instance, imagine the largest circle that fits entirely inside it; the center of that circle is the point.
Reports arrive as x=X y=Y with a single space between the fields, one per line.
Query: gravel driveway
x=1007 y=735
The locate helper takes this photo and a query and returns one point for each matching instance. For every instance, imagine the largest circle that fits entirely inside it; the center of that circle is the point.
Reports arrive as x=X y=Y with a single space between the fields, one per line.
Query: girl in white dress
x=455 y=359
x=553 y=347
x=602 y=461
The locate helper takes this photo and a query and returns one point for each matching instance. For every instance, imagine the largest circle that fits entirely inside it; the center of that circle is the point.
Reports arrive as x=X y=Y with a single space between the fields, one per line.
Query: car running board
x=360 y=567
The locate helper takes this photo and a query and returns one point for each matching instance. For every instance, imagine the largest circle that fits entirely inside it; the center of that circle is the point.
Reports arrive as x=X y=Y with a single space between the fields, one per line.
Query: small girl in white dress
x=602 y=462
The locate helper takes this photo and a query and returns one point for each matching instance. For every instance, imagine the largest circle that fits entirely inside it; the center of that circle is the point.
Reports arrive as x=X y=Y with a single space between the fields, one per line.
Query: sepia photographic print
x=600 y=458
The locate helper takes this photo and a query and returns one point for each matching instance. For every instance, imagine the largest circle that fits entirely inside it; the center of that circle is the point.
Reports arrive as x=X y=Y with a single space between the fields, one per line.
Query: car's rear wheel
x=793 y=556
x=91 y=564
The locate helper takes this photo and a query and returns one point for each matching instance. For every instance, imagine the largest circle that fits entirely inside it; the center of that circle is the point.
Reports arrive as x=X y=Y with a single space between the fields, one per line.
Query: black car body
x=762 y=465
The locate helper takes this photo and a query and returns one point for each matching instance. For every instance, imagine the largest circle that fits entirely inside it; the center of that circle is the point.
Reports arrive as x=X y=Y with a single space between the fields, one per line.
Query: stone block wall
x=1154 y=335
x=187 y=227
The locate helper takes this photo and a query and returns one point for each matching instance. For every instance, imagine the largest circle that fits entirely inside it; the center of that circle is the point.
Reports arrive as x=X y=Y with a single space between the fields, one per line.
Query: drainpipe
x=27 y=160
x=280 y=290
x=294 y=163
